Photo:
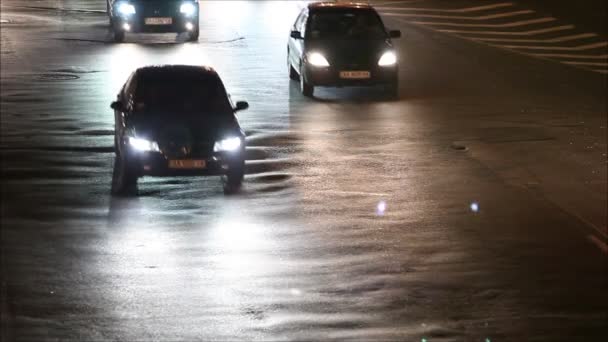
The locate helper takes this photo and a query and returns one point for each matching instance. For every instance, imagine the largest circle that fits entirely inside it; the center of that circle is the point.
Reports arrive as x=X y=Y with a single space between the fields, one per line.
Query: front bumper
x=330 y=76
x=137 y=24
x=156 y=164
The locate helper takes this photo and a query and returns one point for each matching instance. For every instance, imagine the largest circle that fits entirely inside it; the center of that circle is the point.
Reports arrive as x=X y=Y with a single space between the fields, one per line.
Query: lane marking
x=438 y=16
x=562 y=55
x=346 y=192
x=462 y=33
x=551 y=40
x=522 y=33
x=376 y=5
x=460 y=10
x=586 y=63
x=599 y=243
x=558 y=48
x=512 y=24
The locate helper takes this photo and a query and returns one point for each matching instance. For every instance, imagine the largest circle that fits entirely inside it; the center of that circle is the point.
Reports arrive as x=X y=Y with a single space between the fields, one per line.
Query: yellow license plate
x=159 y=21
x=187 y=164
x=355 y=74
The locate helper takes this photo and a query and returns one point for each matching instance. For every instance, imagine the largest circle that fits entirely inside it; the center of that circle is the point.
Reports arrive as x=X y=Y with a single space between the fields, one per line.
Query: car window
x=302 y=27
x=166 y=94
x=296 y=25
x=127 y=91
x=299 y=24
x=353 y=24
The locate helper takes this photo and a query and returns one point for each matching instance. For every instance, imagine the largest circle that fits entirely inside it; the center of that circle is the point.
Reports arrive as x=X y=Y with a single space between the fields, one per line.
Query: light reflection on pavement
x=359 y=219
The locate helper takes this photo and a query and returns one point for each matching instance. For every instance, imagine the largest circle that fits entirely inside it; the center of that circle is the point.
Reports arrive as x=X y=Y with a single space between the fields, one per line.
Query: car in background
x=342 y=44
x=176 y=120
x=153 y=16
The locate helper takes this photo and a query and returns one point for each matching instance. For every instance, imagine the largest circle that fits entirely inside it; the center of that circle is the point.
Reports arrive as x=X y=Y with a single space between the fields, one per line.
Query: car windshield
x=354 y=24
x=181 y=94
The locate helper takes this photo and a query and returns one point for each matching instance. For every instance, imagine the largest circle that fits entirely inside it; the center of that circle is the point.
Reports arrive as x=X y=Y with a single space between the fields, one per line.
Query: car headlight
x=143 y=144
x=187 y=8
x=227 y=145
x=317 y=59
x=388 y=58
x=125 y=8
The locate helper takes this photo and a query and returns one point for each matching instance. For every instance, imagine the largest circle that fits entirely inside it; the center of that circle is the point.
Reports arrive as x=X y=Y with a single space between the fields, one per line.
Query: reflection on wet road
x=459 y=212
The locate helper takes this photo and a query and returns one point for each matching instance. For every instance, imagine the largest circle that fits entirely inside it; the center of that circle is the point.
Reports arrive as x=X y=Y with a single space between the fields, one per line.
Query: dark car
x=341 y=44
x=154 y=16
x=176 y=120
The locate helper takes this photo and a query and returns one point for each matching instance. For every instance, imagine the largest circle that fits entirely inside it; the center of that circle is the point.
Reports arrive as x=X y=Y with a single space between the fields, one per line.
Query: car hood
x=156 y=7
x=350 y=53
x=179 y=129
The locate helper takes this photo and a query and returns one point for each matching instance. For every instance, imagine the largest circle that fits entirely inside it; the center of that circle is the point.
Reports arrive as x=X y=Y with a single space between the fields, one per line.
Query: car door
x=296 y=46
x=125 y=96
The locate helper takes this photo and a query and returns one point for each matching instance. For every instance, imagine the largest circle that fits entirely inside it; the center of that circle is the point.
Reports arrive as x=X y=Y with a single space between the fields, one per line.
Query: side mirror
x=116 y=105
x=296 y=35
x=241 y=105
x=394 y=34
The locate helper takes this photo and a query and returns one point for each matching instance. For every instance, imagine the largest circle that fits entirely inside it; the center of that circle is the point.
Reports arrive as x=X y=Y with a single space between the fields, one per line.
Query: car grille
x=158 y=8
x=187 y=150
x=355 y=64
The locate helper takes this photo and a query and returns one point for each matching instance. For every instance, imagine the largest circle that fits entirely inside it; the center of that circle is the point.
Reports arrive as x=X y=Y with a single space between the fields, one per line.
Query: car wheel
x=116 y=146
x=119 y=36
x=233 y=180
x=293 y=74
x=110 y=21
x=392 y=90
x=306 y=89
x=124 y=178
x=194 y=35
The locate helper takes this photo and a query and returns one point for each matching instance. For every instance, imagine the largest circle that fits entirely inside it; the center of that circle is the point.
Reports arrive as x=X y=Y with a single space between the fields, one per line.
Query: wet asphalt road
x=471 y=209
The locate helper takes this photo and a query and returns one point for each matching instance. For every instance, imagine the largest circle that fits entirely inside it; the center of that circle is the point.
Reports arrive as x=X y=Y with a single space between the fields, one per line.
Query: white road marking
x=462 y=32
x=522 y=33
x=457 y=17
x=586 y=63
x=599 y=243
x=562 y=55
x=557 y=48
x=512 y=24
x=344 y=192
x=460 y=10
x=551 y=40
x=376 y=5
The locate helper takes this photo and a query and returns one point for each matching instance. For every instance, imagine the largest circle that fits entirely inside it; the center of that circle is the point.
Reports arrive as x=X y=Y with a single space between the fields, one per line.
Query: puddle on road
x=59 y=9
x=56 y=77
x=75 y=70
x=458 y=146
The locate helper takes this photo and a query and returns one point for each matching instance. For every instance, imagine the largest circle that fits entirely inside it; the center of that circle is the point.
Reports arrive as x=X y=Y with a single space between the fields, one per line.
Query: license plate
x=187 y=164
x=159 y=21
x=355 y=74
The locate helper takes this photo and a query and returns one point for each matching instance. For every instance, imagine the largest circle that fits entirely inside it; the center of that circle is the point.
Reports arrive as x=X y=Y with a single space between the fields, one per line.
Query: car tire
x=233 y=180
x=118 y=36
x=194 y=35
x=110 y=21
x=306 y=88
x=392 y=90
x=116 y=146
x=124 y=178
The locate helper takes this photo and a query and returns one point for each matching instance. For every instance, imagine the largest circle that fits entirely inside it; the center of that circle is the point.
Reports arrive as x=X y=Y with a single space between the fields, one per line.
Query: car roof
x=339 y=5
x=177 y=70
